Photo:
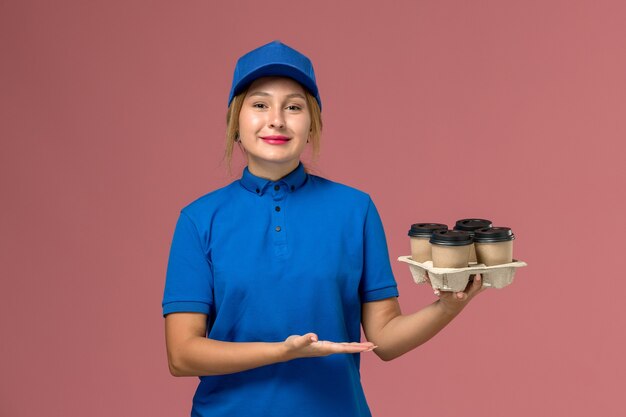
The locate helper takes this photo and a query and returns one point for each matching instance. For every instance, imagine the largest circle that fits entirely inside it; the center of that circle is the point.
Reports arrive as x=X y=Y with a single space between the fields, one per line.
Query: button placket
x=278 y=217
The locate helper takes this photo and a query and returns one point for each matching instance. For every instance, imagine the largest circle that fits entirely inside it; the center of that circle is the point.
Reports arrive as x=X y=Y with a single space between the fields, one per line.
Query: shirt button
x=277 y=208
x=293 y=188
x=278 y=228
x=276 y=187
x=258 y=191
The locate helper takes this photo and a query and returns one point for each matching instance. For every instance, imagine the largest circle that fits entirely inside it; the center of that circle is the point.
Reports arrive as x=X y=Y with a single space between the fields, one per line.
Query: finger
x=473 y=287
x=363 y=344
x=478 y=278
x=349 y=347
x=359 y=344
x=469 y=284
x=478 y=282
x=477 y=286
x=356 y=349
x=327 y=347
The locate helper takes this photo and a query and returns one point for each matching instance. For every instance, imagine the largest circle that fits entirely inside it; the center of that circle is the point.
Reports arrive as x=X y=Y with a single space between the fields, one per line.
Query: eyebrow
x=265 y=94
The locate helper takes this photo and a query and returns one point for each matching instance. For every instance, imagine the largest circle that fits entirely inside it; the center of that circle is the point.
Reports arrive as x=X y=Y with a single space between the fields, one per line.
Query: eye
x=294 y=107
x=259 y=105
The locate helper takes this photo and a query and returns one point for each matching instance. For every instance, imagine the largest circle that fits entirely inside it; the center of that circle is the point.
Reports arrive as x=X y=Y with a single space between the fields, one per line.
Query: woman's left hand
x=454 y=302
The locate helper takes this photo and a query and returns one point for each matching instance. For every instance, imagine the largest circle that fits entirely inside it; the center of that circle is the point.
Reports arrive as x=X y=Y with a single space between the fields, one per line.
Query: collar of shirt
x=294 y=180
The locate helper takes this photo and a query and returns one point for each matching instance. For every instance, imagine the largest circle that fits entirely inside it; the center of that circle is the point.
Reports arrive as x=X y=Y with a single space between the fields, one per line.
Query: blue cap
x=274 y=60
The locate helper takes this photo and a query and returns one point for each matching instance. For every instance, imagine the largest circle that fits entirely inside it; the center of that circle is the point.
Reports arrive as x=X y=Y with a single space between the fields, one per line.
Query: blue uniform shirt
x=265 y=260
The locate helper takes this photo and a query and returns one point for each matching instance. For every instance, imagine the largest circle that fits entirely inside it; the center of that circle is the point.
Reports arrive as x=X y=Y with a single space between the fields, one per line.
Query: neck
x=271 y=171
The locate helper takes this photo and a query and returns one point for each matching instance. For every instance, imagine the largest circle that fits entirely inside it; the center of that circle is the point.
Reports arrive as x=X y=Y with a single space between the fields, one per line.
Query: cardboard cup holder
x=456 y=279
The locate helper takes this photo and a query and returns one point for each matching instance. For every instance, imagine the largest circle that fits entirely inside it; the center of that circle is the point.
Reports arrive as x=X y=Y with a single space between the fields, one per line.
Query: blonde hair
x=232 y=125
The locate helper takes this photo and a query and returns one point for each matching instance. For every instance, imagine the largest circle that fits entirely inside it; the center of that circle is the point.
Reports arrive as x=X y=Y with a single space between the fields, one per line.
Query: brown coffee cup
x=494 y=245
x=420 y=240
x=471 y=225
x=450 y=248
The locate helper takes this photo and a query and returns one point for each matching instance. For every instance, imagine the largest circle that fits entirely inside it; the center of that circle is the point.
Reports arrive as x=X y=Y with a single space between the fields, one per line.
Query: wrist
x=283 y=352
x=449 y=310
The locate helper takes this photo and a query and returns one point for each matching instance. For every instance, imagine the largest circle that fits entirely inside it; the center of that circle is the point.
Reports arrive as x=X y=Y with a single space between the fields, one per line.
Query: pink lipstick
x=275 y=139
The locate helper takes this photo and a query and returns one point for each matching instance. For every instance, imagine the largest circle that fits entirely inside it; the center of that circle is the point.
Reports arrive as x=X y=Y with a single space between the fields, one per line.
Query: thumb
x=304 y=340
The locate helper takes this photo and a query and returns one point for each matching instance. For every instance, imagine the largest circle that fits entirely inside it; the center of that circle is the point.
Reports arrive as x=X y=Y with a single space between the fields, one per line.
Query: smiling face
x=274 y=126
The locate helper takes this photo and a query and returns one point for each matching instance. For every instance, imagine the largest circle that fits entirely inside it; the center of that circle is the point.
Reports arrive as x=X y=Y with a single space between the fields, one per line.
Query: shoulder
x=336 y=187
x=210 y=202
x=339 y=192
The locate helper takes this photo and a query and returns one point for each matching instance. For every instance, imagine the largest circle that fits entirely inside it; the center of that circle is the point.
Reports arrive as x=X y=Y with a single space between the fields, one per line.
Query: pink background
x=113 y=119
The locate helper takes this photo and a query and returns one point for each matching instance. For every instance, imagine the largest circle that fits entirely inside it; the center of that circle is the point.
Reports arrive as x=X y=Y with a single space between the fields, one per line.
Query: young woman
x=271 y=278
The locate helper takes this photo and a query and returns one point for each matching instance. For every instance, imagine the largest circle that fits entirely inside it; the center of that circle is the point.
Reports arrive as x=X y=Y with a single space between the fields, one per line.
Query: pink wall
x=113 y=119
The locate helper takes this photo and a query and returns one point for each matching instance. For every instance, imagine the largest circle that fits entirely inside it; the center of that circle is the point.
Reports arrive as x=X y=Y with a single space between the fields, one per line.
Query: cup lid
x=493 y=234
x=425 y=229
x=472 y=224
x=451 y=238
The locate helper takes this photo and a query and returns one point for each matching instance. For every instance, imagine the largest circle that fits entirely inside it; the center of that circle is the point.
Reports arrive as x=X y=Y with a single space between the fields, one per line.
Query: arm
x=396 y=334
x=190 y=353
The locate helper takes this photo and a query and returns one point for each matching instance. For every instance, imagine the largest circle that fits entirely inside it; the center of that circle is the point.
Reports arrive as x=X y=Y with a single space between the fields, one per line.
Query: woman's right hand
x=308 y=345
x=191 y=353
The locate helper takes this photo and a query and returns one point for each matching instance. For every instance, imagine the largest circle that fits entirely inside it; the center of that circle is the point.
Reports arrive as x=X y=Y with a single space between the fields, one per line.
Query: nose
x=276 y=119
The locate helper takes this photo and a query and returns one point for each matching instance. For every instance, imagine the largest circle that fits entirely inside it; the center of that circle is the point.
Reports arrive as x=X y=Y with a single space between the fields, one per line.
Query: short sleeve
x=377 y=281
x=189 y=280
